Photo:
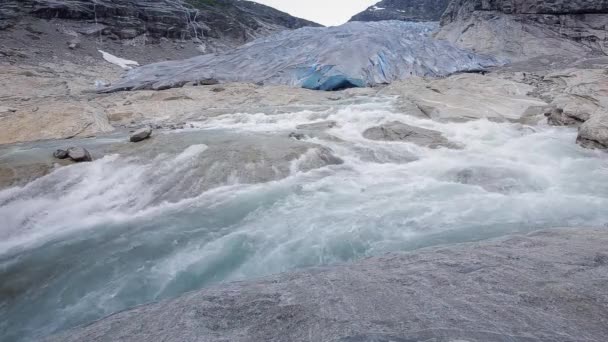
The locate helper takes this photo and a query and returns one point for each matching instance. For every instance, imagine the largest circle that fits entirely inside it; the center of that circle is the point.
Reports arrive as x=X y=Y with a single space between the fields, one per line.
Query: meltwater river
x=92 y=239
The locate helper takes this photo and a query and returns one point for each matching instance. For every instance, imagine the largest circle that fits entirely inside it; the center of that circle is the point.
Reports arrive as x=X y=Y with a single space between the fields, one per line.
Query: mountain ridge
x=404 y=10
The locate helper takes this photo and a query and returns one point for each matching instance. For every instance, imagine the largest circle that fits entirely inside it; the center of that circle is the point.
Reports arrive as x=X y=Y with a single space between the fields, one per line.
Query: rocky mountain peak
x=406 y=10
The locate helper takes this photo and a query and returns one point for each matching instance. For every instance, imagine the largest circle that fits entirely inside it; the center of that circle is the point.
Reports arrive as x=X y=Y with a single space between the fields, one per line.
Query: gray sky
x=326 y=12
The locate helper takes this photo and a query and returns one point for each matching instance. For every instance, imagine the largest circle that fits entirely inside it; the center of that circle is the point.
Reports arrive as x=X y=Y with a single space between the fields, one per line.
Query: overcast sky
x=326 y=12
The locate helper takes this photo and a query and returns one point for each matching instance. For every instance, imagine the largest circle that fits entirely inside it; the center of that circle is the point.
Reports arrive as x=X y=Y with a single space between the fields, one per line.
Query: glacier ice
x=356 y=54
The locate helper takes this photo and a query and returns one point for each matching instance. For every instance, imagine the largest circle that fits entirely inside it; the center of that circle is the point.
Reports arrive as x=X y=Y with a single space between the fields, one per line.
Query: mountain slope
x=213 y=25
x=406 y=10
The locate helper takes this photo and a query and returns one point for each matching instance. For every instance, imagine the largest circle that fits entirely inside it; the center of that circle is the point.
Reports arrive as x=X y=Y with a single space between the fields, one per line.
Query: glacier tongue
x=356 y=54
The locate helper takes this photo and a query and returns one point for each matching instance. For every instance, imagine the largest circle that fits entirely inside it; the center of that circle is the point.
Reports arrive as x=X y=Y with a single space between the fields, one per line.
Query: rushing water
x=92 y=239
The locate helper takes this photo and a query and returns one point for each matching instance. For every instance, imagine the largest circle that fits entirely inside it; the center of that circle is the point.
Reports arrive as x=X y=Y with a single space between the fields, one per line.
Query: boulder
x=318 y=126
x=297 y=136
x=397 y=131
x=73 y=45
x=141 y=134
x=594 y=132
x=60 y=154
x=557 y=117
x=571 y=110
x=79 y=154
x=504 y=180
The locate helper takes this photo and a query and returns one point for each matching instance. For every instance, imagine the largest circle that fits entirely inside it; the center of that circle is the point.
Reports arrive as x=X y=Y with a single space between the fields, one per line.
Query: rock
x=546 y=286
x=61 y=154
x=497 y=179
x=318 y=126
x=557 y=117
x=523 y=29
x=141 y=134
x=465 y=97
x=594 y=132
x=128 y=33
x=571 y=110
x=297 y=136
x=79 y=154
x=7 y=110
x=406 y=10
x=208 y=81
x=397 y=131
x=73 y=45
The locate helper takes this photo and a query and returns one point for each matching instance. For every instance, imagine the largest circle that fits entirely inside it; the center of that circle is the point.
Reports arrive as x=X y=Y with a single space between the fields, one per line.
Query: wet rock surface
x=398 y=131
x=501 y=290
x=141 y=134
x=594 y=132
x=79 y=154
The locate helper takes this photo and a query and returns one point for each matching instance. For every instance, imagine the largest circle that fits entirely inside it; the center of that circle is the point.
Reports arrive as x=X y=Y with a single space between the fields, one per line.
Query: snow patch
x=121 y=62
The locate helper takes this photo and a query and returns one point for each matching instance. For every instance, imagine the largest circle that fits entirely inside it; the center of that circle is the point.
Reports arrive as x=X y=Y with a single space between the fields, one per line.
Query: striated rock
x=465 y=97
x=79 y=154
x=527 y=28
x=406 y=10
x=546 y=286
x=141 y=134
x=397 y=131
x=594 y=132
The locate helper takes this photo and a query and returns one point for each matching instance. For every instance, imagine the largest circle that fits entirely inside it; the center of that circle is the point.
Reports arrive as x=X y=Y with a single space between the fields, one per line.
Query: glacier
x=356 y=54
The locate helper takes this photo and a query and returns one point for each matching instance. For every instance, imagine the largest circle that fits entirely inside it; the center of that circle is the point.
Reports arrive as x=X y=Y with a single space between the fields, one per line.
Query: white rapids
x=95 y=240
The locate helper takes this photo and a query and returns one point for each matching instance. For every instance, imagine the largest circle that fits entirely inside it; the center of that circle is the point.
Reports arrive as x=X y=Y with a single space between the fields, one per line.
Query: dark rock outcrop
x=406 y=10
x=521 y=29
x=214 y=24
x=594 y=132
x=547 y=286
